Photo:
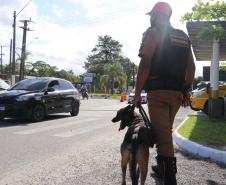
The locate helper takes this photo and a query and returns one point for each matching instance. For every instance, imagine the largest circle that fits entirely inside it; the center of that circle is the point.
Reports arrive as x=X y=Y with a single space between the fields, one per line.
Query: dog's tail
x=133 y=162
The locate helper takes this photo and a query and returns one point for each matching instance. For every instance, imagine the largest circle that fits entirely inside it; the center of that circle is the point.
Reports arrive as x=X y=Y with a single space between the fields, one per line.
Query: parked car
x=132 y=94
x=35 y=98
x=199 y=98
x=3 y=85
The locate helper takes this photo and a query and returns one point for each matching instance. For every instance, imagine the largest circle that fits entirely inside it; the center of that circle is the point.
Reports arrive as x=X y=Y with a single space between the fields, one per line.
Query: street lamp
x=27 y=43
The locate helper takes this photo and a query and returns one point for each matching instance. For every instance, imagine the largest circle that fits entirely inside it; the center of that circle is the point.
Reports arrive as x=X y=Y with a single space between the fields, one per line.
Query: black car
x=35 y=98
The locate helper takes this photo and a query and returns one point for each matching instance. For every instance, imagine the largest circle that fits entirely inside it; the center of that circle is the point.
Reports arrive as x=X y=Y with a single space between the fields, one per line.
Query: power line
x=110 y=16
x=24 y=7
x=130 y=10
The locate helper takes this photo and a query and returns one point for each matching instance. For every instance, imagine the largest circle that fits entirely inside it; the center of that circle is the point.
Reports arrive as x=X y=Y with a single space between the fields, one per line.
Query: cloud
x=6 y=20
x=57 y=11
x=66 y=42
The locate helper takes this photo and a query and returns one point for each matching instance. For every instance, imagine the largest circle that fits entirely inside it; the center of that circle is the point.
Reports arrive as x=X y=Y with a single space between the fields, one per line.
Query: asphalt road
x=83 y=150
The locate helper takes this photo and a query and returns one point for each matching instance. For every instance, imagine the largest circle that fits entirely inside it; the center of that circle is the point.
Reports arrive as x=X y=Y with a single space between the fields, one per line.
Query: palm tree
x=22 y=59
x=104 y=82
x=113 y=73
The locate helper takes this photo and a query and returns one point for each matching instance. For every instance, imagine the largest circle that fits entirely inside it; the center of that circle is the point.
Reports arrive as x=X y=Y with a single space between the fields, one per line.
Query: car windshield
x=3 y=84
x=31 y=85
x=201 y=85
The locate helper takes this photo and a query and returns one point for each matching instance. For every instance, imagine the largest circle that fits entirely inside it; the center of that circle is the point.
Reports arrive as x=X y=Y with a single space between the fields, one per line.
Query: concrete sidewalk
x=199 y=150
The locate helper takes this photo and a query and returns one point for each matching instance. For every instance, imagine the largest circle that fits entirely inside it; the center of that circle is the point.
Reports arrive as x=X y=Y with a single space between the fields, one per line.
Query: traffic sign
x=88 y=77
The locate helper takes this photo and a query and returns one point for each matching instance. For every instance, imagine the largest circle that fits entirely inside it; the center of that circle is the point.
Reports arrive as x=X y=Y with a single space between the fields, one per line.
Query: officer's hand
x=186 y=99
x=137 y=101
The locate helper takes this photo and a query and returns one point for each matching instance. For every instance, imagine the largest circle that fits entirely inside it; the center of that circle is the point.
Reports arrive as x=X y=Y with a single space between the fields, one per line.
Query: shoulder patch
x=179 y=38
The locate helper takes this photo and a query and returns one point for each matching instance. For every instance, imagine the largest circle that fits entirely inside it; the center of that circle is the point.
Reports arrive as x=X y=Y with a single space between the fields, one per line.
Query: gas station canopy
x=203 y=49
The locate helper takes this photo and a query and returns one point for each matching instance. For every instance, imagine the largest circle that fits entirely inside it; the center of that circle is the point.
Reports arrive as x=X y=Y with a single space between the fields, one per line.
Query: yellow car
x=199 y=98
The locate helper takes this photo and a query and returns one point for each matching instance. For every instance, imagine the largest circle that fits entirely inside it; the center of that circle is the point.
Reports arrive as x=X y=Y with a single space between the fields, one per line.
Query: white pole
x=13 y=81
x=215 y=67
x=211 y=71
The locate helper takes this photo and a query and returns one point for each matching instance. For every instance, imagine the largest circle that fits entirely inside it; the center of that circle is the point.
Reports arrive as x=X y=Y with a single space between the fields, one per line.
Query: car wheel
x=75 y=109
x=38 y=113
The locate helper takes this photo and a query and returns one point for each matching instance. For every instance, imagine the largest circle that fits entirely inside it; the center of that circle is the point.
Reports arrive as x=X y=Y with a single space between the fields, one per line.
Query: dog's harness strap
x=145 y=117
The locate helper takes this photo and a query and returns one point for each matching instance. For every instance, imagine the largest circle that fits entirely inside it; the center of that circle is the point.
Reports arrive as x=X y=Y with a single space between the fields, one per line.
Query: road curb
x=198 y=149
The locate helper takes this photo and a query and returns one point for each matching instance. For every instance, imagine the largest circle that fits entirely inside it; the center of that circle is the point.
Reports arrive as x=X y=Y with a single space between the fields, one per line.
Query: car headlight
x=23 y=98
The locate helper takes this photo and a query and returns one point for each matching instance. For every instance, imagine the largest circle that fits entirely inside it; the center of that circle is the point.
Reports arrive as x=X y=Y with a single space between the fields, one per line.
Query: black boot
x=166 y=169
x=170 y=167
x=158 y=169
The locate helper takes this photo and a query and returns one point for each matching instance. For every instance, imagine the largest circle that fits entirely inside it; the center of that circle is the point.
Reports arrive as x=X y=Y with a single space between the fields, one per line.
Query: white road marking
x=80 y=131
x=52 y=127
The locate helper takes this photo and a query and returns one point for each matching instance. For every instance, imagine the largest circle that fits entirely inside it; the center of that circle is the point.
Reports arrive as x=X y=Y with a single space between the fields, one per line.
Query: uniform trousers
x=163 y=106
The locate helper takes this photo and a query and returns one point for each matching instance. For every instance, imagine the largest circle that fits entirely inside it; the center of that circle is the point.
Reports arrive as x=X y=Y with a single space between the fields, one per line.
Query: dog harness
x=137 y=123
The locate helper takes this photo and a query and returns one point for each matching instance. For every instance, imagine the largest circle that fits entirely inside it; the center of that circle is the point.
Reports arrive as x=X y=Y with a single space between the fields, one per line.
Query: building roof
x=203 y=49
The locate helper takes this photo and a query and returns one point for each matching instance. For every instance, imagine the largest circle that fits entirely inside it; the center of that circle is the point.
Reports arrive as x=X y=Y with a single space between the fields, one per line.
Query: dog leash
x=145 y=117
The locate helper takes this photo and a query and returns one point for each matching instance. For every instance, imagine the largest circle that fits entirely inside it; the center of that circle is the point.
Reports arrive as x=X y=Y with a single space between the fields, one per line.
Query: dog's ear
x=128 y=107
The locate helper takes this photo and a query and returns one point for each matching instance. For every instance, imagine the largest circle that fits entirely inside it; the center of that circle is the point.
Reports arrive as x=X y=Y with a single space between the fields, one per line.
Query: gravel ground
x=95 y=160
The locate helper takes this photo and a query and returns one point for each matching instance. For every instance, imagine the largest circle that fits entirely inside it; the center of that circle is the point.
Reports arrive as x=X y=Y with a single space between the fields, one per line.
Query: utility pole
x=133 y=75
x=13 y=77
x=23 y=50
x=1 y=58
x=10 y=58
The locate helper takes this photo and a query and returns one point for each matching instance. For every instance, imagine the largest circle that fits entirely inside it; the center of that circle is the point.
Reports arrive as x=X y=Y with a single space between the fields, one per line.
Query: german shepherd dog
x=135 y=146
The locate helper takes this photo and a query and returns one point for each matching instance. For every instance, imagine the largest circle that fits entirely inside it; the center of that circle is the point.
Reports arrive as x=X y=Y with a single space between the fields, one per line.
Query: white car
x=143 y=96
x=3 y=85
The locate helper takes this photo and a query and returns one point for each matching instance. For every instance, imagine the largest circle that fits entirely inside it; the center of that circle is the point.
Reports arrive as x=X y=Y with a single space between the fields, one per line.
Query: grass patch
x=202 y=130
x=114 y=96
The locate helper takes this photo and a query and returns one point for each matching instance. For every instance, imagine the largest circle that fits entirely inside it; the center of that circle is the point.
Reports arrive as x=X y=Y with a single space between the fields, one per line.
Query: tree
x=40 y=68
x=130 y=69
x=104 y=82
x=22 y=58
x=105 y=52
x=113 y=74
x=68 y=75
x=214 y=11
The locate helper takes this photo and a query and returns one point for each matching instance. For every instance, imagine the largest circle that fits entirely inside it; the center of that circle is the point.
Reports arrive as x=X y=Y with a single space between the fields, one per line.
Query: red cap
x=161 y=7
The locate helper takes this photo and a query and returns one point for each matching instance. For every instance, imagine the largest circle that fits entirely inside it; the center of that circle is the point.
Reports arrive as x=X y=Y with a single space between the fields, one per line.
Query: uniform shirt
x=145 y=43
x=150 y=42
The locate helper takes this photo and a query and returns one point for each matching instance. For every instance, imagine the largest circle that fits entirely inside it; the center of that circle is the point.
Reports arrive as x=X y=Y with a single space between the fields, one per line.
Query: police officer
x=166 y=72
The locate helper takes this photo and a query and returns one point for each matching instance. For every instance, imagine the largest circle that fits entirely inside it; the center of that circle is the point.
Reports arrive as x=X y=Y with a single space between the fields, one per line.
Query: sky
x=65 y=31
